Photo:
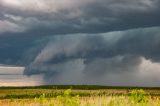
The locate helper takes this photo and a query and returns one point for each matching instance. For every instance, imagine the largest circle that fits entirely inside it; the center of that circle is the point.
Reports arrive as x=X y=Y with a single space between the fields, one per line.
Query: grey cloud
x=20 y=50
x=91 y=16
x=98 y=55
x=85 y=39
x=7 y=26
x=117 y=64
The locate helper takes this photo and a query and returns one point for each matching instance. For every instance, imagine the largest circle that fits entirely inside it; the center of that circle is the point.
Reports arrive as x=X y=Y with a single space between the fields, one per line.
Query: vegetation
x=75 y=97
x=79 y=87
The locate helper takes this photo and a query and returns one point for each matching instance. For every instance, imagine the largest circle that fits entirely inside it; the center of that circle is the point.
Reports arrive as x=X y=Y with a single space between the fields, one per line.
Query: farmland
x=79 y=95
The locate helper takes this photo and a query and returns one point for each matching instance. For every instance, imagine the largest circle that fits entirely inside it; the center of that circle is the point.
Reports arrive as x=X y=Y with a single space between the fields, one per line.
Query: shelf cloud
x=82 y=42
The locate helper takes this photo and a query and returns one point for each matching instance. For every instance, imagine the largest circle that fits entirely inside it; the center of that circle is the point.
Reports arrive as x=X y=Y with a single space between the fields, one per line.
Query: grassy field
x=74 y=95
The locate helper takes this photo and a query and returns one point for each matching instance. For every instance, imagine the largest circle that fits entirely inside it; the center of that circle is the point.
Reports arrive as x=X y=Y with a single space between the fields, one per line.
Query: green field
x=79 y=95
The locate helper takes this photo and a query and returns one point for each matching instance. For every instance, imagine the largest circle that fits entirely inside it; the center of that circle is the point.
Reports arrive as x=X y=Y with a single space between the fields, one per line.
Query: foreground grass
x=81 y=90
x=137 y=97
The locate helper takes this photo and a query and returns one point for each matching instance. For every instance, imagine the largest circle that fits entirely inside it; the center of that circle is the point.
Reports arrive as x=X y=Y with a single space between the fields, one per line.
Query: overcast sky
x=104 y=42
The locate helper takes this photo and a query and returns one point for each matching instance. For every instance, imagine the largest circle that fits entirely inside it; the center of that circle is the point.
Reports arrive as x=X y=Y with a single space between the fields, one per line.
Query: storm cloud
x=32 y=17
x=82 y=42
x=97 y=55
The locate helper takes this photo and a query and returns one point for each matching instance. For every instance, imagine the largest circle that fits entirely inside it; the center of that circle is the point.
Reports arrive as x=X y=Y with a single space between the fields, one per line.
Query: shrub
x=67 y=100
x=138 y=95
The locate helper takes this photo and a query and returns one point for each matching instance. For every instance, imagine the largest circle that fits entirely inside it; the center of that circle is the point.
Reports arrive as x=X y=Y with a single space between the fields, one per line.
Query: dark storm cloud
x=114 y=52
x=65 y=17
x=85 y=39
x=20 y=50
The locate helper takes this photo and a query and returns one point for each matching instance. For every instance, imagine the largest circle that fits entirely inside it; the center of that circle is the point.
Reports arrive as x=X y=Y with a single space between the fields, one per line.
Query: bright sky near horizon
x=13 y=76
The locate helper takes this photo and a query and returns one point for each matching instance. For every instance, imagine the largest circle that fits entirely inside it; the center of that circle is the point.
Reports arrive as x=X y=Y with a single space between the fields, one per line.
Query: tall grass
x=136 y=97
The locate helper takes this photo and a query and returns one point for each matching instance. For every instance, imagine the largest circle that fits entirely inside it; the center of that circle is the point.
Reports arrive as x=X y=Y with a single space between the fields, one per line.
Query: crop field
x=79 y=95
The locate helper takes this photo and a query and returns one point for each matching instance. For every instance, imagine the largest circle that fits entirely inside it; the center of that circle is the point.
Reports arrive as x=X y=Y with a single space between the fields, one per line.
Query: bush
x=138 y=95
x=67 y=100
